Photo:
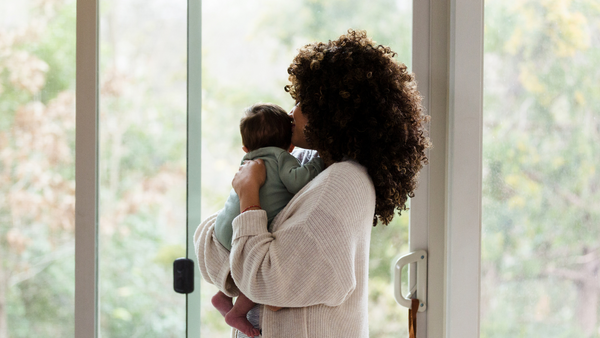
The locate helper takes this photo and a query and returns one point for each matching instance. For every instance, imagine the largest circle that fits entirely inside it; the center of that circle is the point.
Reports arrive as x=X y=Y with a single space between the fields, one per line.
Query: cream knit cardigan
x=314 y=264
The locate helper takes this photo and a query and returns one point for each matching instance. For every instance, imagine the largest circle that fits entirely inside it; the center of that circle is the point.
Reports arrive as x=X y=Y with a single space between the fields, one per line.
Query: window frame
x=446 y=211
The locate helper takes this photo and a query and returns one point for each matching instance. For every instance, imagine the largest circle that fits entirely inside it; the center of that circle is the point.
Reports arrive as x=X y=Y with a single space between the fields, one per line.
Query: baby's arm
x=223 y=230
x=295 y=176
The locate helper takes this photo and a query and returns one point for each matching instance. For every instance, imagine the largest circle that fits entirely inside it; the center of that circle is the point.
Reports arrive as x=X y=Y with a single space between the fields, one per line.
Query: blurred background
x=541 y=201
x=541 y=161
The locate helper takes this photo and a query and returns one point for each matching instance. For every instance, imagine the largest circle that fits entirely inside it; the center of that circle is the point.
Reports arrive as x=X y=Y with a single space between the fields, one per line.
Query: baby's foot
x=222 y=303
x=240 y=322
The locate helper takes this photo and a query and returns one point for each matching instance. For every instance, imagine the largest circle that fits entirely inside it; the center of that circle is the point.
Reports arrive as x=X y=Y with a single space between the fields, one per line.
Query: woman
x=361 y=111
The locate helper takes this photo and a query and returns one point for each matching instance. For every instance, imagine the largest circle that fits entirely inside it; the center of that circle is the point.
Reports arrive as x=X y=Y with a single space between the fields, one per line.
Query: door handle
x=420 y=258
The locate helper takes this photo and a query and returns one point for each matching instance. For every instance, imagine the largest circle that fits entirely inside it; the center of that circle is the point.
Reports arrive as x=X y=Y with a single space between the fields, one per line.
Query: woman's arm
x=289 y=268
x=312 y=256
x=247 y=182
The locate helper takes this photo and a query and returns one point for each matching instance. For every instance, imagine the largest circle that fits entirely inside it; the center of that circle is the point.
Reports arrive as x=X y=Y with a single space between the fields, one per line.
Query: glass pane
x=37 y=168
x=142 y=166
x=247 y=48
x=541 y=194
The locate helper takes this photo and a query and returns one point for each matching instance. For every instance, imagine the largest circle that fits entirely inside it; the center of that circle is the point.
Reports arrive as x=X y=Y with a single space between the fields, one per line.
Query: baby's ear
x=245 y=149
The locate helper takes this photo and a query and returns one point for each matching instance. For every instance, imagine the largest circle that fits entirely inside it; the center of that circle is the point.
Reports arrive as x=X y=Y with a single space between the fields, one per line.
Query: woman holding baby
x=360 y=111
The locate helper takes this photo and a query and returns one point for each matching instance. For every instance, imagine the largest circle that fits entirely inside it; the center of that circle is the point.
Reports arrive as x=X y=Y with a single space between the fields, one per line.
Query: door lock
x=183 y=275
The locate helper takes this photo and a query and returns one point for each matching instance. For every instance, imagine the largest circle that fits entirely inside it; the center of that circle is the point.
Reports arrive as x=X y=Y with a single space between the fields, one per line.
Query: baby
x=266 y=134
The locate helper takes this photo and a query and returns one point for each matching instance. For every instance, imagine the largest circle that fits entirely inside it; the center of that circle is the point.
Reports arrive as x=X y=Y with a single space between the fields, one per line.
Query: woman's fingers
x=247 y=182
x=251 y=176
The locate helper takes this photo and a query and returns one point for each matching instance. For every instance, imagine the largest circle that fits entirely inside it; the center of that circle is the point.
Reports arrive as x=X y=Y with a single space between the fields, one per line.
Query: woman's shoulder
x=348 y=169
x=349 y=166
x=344 y=192
x=345 y=177
x=345 y=196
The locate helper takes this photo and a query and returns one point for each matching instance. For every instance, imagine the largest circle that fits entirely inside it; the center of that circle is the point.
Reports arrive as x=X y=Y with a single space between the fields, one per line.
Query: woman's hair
x=362 y=104
x=266 y=125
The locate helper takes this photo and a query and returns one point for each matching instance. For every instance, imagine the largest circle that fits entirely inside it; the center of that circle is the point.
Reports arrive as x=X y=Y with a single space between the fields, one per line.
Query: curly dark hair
x=362 y=104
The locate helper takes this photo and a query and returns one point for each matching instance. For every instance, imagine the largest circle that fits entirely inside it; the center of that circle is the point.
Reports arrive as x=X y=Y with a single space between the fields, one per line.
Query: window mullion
x=86 y=171
x=194 y=139
x=463 y=229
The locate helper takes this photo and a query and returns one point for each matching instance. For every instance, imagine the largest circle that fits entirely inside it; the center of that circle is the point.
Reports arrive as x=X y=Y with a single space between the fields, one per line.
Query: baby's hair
x=266 y=125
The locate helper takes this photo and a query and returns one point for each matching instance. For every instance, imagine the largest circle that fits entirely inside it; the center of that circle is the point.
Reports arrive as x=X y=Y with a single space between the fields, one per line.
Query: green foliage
x=36 y=220
x=300 y=22
x=541 y=145
x=169 y=253
x=37 y=304
x=61 y=61
x=386 y=317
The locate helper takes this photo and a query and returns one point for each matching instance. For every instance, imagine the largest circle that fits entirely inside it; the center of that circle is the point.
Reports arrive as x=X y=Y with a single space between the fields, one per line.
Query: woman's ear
x=245 y=149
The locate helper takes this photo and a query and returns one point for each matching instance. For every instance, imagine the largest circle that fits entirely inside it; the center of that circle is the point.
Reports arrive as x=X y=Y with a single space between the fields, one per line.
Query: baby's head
x=266 y=125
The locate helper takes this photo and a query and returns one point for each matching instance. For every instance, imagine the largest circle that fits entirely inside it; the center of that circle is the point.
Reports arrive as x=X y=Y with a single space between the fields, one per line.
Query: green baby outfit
x=285 y=177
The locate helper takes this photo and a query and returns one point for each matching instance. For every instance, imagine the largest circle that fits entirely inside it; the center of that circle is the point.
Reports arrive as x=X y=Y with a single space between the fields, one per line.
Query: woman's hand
x=247 y=182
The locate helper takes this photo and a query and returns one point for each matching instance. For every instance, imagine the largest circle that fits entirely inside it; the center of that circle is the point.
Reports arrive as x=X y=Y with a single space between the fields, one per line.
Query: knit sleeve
x=213 y=258
x=311 y=258
x=289 y=271
x=295 y=176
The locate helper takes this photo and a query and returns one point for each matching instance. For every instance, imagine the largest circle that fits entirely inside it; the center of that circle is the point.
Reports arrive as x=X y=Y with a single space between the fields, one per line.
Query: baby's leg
x=222 y=302
x=237 y=316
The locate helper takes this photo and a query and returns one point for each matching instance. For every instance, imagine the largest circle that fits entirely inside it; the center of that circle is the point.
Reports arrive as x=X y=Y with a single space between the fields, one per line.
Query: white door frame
x=446 y=211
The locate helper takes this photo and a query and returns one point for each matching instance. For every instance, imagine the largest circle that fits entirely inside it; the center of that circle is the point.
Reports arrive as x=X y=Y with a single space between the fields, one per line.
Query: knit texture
x=314 y=263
